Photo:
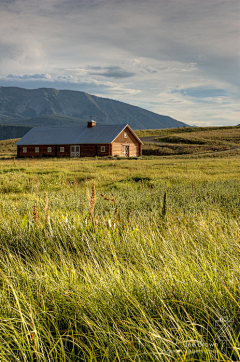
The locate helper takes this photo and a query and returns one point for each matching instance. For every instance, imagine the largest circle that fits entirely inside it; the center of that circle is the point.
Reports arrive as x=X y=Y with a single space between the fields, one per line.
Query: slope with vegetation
x=188 y=140
x=8 y=132
x=8 y=149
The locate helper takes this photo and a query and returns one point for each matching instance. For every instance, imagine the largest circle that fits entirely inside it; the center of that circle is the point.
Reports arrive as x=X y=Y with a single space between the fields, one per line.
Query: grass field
x=8 y=148
x=139 y=267
x=190 y=140
x=229 y=134
x=181 y=141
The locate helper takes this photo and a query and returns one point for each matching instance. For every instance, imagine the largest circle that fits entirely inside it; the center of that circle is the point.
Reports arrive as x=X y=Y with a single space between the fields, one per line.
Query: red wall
x=85 y=150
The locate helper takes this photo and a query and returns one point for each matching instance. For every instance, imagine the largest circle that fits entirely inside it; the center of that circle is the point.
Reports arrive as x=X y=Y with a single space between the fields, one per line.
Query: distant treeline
x=8 y=132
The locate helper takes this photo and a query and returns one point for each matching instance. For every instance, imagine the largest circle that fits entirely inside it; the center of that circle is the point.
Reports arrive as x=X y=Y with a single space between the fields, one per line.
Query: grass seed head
x=35 y=215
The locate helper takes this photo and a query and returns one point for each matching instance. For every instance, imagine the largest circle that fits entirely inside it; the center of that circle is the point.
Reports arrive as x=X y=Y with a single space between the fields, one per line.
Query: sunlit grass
x=128 y=280
x=224 y=133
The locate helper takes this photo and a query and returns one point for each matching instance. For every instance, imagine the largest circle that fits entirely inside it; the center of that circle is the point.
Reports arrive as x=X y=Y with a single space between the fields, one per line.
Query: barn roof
x=72 y=135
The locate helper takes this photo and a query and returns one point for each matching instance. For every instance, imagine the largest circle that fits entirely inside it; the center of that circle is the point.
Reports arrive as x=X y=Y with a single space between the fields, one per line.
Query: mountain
x=48 y=106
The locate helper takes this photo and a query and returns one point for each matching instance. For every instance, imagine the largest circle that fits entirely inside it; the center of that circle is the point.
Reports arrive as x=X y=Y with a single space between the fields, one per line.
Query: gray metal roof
x=71 y=135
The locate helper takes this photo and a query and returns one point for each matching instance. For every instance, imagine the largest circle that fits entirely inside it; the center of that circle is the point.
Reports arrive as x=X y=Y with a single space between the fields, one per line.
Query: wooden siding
x=134 y=151
x=130 y=138
x=86 y=150
x=131 y=141
x=117 y=149
x=43 y=151
x=66 y=152
x=94 y=150
x=107 y=150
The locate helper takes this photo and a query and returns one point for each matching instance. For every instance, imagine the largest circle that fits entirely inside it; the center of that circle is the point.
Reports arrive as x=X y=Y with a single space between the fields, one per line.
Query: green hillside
x=8 y=132
x=189 y=140
x=184 y=131
x=8 y=148
x=57 y=120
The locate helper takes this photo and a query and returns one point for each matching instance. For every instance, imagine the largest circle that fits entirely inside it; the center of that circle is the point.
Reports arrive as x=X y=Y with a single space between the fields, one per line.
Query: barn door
x=75 y=151
x=125 y=151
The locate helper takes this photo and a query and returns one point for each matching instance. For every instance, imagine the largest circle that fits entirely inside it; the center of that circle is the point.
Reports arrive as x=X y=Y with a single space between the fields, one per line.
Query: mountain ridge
x=42 y=106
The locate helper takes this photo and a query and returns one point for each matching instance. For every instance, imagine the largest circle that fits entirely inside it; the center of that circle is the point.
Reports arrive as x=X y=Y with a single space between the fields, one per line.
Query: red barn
x=92 y=140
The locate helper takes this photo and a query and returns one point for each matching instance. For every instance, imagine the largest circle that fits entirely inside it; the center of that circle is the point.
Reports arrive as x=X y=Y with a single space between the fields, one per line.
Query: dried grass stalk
x=35 y=215
x=113 y=200
x=92 y=199
x=47 y=212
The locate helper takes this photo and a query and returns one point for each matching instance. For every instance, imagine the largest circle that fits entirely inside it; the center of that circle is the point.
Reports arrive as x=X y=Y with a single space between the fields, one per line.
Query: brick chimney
x=91 y=124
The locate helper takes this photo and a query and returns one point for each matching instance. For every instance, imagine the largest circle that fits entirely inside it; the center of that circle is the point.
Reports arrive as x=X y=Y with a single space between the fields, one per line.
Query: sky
x=179 y=58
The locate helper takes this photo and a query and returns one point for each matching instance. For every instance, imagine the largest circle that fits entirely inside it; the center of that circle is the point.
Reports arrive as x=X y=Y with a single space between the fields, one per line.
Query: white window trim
x=24 y=149
x=36 y=149
x=61 y=149
x=103 y=149
x=125 y=134
x=49 y=149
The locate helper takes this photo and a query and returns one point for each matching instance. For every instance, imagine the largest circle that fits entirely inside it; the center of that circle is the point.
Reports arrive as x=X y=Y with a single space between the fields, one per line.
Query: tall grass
x=117 y=281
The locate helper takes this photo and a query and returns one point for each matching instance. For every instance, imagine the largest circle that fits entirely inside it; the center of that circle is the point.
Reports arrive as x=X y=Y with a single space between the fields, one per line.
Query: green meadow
x=120 y=260
x=190 y=140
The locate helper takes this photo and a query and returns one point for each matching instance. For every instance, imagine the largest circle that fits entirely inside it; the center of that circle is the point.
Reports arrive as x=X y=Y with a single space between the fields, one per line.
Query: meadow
x=199 y=135
x=190 y=140
x=119 y=260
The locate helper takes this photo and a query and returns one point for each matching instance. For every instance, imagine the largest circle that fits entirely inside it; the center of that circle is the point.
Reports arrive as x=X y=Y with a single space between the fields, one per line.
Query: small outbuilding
x=91 y=140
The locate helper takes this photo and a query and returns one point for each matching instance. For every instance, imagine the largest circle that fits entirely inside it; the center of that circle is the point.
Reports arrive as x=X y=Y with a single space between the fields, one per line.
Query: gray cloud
x=67 y=82
x=9 y=51
x=29 y=76
x=146 y=47
x=112 y=72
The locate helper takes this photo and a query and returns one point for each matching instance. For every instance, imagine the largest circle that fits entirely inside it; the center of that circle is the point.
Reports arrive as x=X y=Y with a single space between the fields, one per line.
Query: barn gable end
x=127 y=144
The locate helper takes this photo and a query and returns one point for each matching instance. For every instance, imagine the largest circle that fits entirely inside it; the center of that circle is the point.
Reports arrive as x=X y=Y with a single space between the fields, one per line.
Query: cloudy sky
x=179 y=58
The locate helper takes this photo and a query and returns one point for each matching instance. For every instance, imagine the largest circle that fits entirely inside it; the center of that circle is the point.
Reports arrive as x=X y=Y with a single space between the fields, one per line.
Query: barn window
x=24 y=149
x=49 y=149
x=102 y=148
x=61 y=149
x=36 y=149
x=125 y=134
